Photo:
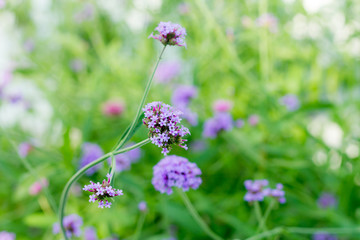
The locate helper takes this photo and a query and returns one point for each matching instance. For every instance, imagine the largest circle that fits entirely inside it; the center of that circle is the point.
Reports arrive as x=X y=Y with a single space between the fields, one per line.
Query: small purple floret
x=90 y=152
x=72 y=224
x=220 y=122
x=174 y=171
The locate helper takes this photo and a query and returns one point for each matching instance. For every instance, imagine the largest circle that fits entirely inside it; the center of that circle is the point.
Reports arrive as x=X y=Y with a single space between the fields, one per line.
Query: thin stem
x=196 y=216
x=258 y=213
x=272 y=232
x=139 y=226
x=79 y=173
x=112 y=168
x=147 y=88
x=263 y=43
x=262 y=225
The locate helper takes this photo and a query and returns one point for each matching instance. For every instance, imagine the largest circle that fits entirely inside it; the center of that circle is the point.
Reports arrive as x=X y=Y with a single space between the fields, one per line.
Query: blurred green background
x=61 y=61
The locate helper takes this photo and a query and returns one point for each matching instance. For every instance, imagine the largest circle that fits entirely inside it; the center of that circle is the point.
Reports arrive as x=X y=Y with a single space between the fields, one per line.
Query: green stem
x=262 y=225
x=272 y=232
x=147 y=88
x=263 y=43
x=112 y=168
x=196 y=215
x=139 y=226
x=79 y=173
x=258 y=214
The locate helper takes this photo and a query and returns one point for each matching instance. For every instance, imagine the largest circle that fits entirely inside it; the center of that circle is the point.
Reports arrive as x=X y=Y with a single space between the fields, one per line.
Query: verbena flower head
x=90 y=234
x=170 y=34
x=181 y=99
x=290 y=101
x=90 y=152
x=72 y=224
x=163 y=122
x=222 y=105
x=113 y=108
x=277 y=193
x=174 y=171
x=167 y=71
x=24 y=149
x=7 y=235
x=256 y=190
x=324 y=236
x=239 y=123
x=142 y=206
x=327 y=200
x=220 y=122
x=253 y=120
x=101 y=192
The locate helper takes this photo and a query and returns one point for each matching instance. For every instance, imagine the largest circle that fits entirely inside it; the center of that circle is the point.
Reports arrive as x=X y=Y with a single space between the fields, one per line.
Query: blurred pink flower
x=142 y=206
x=29 y=45
x=167 y=71
x=183 y=8
x=268 y=21
x=222 y=105
x=113 y=108
x=24 y=148
x=38 y=186
x=253 y=120
x=2 y=3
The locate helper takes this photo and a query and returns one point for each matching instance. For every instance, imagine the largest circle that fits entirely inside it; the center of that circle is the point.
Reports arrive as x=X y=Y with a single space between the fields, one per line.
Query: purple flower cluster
x=124 y=160
x=163 y=122
x=170 y=34
x=181 y=99
x=102 y=191
x=222 y=121
x=175 y=171
x=257 y=191
x=90 y=152
x=142 y=206
x=7 y=235
x=268 y=21
x=90 y=234
x=290 y=101
x=72 y=224
x=324 y=236
x=327 y=200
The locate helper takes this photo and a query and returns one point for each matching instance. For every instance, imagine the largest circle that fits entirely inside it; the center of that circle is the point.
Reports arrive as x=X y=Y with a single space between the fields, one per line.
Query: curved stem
x=112 y=168
x=139 y=226
x=79 y=173
x=196 y=216
x=272 y=232
x=147 y=88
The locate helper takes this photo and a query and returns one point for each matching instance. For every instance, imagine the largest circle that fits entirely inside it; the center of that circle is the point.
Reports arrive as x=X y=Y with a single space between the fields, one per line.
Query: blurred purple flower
x=182 y=95
x=7 y=235
x=5 y=79
x=85 y=14
x=324 y=236
x=256 y=190
x=222 y=105
x=15 y=98
x=124 y=160
x=167 y=71
x=220 y=122
x=175 y=171
x=277 y=193
x=290 y=101
x=239 y=123
x=29 y=45
x=183 y=8
x=37 y=186
x=2 y=5
x=72 y=224
x=268 y=21
x=76 y=65
x=230 y=34
x=102 y=192
x=198 y=145
x=253 y=120
x=142 y=206
x=90 y=152
x=113 y=108
x=24 y=149
x=327 y=200
x=90 y=234
x=170 y=34
x=163 y=122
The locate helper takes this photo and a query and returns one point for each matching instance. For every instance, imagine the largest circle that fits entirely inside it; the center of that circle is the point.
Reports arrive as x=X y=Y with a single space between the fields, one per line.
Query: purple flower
x=167 y=71
x=2 y=5
x=183 y=8
x=85 y=14
x=220 y=122
x=324 y=236
x=76 y=65
x=102 y=191
x=268 y=21
x=327 y=200
x=72 y=224
x=181 y=99
x=29 y=45
x=198 y=145
x=290 y=101
x=277 y=193
x=36 y=187
x=113 y=108
x=256 y=190
x=90 y=152
x=124 y=160
x=7 y=235
x=174 y=171
x=239 y=123
x=142 y=206
x=169 y=132
x=222 y=105
x=170 y=34
x=24 y=149
x=90 y=234
x=253 y=120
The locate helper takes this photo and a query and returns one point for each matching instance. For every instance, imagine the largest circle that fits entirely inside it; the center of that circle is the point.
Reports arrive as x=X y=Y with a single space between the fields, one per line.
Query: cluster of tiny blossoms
x=102 y=191
x=170 y=34
x=257 y=191
x=163 y=122
x=175 y=171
